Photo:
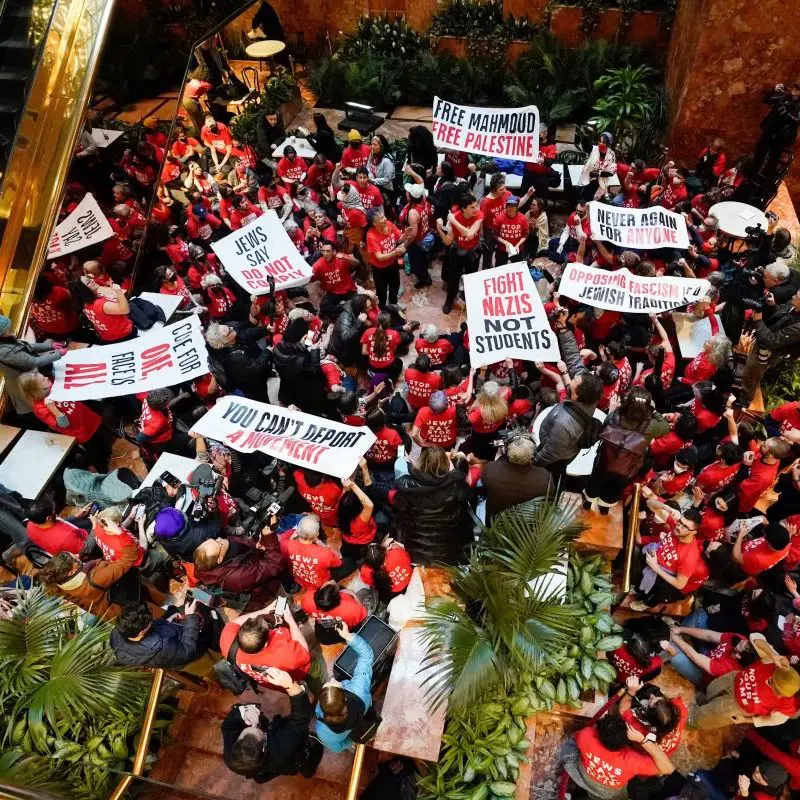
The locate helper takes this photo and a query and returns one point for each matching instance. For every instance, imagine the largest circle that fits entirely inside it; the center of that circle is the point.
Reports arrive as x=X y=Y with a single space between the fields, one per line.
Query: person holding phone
x=260 y=748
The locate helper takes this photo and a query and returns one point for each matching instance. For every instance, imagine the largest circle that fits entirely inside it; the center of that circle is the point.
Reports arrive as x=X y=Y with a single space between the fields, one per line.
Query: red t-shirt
x=627 y=666
x=460 y=163
x=716 y=476
x=754 y=695
x=245 y=215
x=712 y=525
x=706 y=420
x=83 y=422
x=349 y=610
x=456 y=395
x=788 y=415
x=323 y=498
x=463 y=242
x=355 y=157
x=219 y=140
x=386 y=360
x=493 y=207
x=512 y=229
x=311 y=563
x=113 y=544
x=758 y=556
x=58 y=537
x=55 y=315
x=292 y=171
x=155 y=424
x=384 y=448
x=397 y=565
x=361 y=532
x=281 y=652
x=479 y=426
x=611 y=768
x=438 y=429
x=370 y=195
x=334 y=276
x=272 y=199
x=109 y=327
x=698 y=369
x=180 y=148
x=670 y=741
x=680 y=558
x=761 y=477
x=202 y=229
x=319 y=176
x=667 y=372
x=791 y=635
x=421 y=385
x=438 y=352
x=721 y=658
x=665 y=448
x=382 y=244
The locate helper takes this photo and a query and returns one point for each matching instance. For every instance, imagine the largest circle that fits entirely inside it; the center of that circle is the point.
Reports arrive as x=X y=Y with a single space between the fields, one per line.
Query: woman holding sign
x=106 y=308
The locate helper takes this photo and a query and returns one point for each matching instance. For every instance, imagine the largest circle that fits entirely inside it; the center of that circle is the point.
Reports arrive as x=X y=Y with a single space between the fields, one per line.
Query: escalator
x=23 y=24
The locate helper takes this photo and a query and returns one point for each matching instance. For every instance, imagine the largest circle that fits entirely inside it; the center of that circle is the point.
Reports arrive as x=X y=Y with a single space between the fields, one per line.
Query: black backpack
x=230 y=676
x=591 y=426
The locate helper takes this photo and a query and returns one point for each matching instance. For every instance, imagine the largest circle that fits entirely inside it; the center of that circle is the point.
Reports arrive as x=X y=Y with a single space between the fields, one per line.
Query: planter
x=646 y=29
x=290 y=109
x=534 y=10
x=565 y=25
x=455 y=45
x=608 y=24
x=515 y=50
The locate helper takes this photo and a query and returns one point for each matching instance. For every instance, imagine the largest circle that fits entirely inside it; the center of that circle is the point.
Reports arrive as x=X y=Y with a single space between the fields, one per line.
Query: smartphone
x=168 y=478
x=140 y=513
x=95 y=507
x=280 y=607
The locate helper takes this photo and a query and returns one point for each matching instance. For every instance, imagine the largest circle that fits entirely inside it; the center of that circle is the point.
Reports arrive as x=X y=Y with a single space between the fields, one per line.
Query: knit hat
x=416 y=190
x=354 y=136
x=169 y=522
x=774 y=774
x=786 y=681
x=5 y=325
x=295 y=331
x=438 y=402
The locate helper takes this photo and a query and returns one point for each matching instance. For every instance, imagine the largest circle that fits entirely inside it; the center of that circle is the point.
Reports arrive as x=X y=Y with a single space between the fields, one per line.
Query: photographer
x=779 y=127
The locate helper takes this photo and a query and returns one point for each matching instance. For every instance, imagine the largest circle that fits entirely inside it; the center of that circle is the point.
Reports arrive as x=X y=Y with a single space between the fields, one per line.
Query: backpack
x=622 y=451
x=230 y=676
x=591 y=426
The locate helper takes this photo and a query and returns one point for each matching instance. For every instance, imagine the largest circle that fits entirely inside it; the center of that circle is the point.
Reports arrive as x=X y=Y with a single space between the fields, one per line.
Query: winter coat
x=431 y=517
x=167 y=645
x=345 y=341
x=782 y=332
x=17 y=357
x=302 y=380
x=246 y=366
x=254 y=569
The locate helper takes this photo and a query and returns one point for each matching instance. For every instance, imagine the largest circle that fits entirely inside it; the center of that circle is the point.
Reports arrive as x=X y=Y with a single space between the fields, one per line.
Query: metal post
x=633 y=532
x=355 y=773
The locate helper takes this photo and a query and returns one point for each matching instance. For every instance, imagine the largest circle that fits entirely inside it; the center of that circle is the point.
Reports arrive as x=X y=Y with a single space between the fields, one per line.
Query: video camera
x=754 y=234
x=259 y=505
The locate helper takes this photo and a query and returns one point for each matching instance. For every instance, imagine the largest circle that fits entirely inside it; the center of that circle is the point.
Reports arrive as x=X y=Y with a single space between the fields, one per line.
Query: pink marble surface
x=408 y=728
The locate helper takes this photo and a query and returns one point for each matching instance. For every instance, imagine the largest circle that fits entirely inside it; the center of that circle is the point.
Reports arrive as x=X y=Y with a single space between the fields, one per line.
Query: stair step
x=8 y=74
x=15 y=43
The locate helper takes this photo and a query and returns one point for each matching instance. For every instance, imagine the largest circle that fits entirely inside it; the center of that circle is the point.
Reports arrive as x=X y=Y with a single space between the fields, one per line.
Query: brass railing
x=633 y=532
x=355 y=772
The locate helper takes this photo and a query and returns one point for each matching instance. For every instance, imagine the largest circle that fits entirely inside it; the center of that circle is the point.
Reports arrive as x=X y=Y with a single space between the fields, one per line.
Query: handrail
x=144 y=738
x=355 y=772
x=633 y=532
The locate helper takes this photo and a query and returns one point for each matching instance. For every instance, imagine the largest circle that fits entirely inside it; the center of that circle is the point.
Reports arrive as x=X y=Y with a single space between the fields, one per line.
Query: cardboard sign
x=293 y=436
x=163 y=357
x=86 y=225
x=638 y=228
x=506 y=317
x=621 y=290
x=495 y=132
x=693 y=333
x=262 y=248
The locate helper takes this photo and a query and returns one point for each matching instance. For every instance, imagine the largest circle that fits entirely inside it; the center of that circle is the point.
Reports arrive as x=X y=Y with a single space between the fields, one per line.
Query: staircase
x=20 y=37
x=191 y=759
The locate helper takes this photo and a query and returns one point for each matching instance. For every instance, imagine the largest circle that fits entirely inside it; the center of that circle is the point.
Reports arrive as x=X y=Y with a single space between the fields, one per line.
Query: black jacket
x=246 y=366
x=168 y=645
x=508 y=484
x=267 y=137
x=194 y=534
x=781 y=333
x=345 y=341
x=286 y=739
x=323 y=141
x=431 y=517
x=302 y=379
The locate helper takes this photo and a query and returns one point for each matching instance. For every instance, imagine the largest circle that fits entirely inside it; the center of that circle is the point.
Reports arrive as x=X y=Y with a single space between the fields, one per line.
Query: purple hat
x=438 y=402
x=169 y=523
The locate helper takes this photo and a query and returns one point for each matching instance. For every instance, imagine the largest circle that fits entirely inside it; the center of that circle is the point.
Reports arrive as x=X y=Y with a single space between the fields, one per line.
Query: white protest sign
x=86 y=225
x=495 y=132
x=293 y=436
x=693 y=333
x=262 y=248
x=168 y=303
x=506 y=317
x=163 y=357
x=103 y=137
x=621 y=290
x=638 y=228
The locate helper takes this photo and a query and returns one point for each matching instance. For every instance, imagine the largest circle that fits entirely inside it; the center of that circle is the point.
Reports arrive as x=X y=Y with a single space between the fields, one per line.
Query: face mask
x=678 y=468
x=676 y=181
x=602 y=148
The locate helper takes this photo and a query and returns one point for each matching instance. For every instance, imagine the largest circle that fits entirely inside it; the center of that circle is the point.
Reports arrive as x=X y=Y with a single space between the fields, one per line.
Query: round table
x=266 y=48
x=734 y=217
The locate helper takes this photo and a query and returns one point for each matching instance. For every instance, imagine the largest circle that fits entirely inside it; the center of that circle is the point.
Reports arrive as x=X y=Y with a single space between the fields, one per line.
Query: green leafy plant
x=478 y=20
x=385 y=37
x=781 y=384
x=69 y=709
x=626 y=99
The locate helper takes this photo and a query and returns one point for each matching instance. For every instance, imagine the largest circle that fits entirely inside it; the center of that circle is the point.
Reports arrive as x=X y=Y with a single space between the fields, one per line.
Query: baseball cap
x=512 y=200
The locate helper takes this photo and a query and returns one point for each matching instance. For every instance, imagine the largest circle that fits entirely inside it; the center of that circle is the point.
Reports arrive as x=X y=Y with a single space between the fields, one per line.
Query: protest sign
x=496 y=132
x=638 y=228
x=621 y=290
x=86 y=225
x=260 y=249
x=693 y=333
x=293 y=436
x=102 y=137
x=506 y=317
x=163 y=357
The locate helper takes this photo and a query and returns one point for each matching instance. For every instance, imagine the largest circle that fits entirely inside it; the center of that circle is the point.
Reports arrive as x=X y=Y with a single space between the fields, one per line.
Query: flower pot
x=515 y=50
x=646 y=29
x=565 y=25
x=608 y=24
x=455 y=45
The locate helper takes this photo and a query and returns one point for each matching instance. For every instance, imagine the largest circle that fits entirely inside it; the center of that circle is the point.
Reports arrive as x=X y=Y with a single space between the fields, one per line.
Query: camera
x=754 y=234
x=755 y=305
x=265 y=506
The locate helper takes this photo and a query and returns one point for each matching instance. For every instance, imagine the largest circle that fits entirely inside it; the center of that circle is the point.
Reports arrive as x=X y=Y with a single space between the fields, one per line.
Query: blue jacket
x=359 y=685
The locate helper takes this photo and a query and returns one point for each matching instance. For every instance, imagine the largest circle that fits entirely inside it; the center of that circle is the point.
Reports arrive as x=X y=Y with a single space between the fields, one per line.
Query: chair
x=251 y=80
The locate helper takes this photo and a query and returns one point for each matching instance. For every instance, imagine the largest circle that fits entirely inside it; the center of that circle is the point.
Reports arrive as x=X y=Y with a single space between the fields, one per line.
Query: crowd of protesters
x=720 y=483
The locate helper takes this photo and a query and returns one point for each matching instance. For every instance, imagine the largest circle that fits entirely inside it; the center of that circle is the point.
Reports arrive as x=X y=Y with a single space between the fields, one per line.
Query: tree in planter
x=500 y=627
x=69 y=708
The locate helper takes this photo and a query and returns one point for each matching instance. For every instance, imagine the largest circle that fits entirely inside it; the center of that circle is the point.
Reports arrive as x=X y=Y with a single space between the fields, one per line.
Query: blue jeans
x=707 y=779
x=681 y=663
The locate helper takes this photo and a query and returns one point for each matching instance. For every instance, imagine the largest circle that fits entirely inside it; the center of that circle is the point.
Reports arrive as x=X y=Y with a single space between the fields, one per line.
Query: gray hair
x=430 y=333
x=778 y=271
x=520 y=451
x=215 y=337
x=720 y=352
x=308 y=527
